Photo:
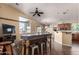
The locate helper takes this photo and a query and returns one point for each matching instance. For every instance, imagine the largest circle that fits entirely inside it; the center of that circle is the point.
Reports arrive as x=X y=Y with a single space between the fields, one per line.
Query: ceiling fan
x=38 y=13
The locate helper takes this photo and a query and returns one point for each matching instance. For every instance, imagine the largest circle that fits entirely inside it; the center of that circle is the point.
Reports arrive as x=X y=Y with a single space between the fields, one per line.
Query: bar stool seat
x=33 y=47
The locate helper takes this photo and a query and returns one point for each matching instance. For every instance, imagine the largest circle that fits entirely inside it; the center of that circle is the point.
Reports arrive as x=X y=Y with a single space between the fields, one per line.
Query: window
x=24 y=25
x=39 y=29
x=75 y=26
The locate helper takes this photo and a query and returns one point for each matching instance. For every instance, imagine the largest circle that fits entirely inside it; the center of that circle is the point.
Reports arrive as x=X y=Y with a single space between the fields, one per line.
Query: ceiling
x=53 y=12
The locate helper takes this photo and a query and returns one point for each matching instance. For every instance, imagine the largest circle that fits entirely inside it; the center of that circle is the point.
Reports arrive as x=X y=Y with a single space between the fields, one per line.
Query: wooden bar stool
x=1 y=50
x=33 y=47
x=42 y=47
x=41 y=44
x=18 y=47
x=7 y=46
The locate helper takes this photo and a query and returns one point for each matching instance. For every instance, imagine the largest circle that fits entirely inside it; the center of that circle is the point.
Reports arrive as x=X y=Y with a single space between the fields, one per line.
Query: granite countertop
x=33 y=36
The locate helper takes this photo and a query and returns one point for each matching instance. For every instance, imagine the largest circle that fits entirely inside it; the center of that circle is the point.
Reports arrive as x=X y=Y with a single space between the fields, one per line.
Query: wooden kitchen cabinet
x=75 y=36
x=64 y=26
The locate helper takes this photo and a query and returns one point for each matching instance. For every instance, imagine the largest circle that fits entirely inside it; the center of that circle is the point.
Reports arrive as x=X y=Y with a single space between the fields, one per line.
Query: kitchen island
x=30 y=38
x=63 y=37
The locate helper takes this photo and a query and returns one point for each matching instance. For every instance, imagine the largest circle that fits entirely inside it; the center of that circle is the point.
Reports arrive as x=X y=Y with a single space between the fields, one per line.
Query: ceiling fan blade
x=34 y=14
x=41 y=13
x=38 y=14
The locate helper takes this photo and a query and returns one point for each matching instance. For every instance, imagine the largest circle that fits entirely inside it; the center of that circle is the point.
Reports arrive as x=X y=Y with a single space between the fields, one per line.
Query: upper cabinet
x=64 y=26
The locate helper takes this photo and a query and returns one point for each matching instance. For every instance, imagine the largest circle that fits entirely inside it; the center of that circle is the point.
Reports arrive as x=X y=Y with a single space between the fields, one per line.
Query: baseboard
x=63 y=44
x=58 y=42
x=67 y=45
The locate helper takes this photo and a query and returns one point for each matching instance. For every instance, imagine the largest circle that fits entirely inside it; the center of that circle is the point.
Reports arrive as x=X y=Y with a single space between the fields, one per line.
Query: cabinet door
x=67 y=38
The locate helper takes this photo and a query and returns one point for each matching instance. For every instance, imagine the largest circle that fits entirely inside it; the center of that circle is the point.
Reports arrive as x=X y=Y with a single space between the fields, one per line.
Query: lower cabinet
x=75 y=36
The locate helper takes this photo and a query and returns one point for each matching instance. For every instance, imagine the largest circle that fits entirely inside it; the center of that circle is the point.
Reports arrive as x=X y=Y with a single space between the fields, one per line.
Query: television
x=8 y=29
